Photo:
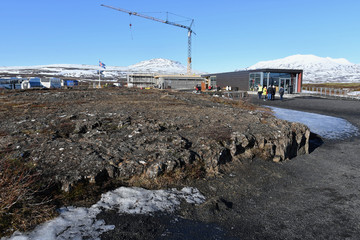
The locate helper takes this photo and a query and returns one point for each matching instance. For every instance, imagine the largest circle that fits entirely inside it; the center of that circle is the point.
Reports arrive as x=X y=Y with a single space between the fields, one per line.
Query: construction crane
x=190 y=31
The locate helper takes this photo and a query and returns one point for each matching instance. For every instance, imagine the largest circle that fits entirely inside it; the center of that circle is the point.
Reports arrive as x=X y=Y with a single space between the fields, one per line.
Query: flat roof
x=277 y=70
x=179 y=76
x=271 y=70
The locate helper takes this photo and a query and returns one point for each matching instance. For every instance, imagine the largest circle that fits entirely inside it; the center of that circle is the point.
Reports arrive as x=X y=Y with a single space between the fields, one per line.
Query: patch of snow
x=81 y=223
x=354 y=93
x=325 y=126
x=158 y=65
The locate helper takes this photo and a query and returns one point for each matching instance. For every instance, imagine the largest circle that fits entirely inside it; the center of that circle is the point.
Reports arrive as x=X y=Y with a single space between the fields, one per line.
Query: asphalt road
x=314 y=196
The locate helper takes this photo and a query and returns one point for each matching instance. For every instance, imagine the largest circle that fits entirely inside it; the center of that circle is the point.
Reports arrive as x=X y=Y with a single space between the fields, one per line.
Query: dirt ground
x=314 y=196
x=79 y=143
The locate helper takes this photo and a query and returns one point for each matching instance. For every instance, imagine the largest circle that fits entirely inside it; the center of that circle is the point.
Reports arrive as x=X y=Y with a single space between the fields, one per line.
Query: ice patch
x=141 y=201
x=81 y=223
x=325 y=126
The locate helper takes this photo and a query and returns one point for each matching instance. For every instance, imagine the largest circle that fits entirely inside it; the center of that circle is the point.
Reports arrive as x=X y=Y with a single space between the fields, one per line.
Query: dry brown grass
x=22 y=205
x=178 y=177
x=242 y=103
x=217 y=133
x=350 y=86
x=38 y=105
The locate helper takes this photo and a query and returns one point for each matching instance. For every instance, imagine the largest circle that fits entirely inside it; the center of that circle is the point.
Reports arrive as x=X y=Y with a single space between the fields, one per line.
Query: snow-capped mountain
x=316 y=69
x=158 y=65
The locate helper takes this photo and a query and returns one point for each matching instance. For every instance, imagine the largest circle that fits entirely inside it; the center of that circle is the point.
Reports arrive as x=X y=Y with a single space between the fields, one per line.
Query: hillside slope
x=158 y=65
x=316 y=69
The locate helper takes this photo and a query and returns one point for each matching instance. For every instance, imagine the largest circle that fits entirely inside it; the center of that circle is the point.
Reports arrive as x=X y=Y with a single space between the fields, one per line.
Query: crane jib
x=148 y=17
x=190 y=31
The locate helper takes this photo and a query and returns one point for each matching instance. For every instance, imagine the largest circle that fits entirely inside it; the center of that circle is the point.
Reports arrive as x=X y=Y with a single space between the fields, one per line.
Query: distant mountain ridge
x=157 y=65
x=316 y=69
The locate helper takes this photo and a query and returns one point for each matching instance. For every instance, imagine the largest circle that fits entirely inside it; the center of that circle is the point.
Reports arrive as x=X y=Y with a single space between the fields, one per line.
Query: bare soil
x=80 y=143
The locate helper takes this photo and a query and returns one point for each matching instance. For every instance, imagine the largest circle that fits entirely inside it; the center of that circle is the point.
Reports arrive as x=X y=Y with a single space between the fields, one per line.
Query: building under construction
x=178 y=82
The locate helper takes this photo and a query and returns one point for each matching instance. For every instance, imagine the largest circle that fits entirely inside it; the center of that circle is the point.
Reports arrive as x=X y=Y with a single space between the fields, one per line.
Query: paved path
x=315 y=196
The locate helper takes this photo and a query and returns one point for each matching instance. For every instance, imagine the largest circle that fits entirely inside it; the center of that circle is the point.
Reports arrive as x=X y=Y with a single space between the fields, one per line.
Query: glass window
x=254 y=81
x=275 y=78
x=213 y=81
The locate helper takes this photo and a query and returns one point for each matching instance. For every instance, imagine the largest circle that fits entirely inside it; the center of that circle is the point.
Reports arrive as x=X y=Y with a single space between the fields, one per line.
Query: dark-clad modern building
x=248 y=80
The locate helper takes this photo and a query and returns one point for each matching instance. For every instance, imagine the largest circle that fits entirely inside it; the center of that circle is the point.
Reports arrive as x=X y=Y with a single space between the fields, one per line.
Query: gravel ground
x=313 y=196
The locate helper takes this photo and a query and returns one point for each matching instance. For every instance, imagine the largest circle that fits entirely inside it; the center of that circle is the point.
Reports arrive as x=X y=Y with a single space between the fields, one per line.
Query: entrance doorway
x=285 y=83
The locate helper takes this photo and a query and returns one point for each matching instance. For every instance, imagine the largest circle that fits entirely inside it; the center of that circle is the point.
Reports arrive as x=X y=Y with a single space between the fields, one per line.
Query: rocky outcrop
x=94 y=135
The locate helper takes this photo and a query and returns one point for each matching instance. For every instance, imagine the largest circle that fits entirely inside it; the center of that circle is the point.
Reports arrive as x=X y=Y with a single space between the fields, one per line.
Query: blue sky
x=230 y=34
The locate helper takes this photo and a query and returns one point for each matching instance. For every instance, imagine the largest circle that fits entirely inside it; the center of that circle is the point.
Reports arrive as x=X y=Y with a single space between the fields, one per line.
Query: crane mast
x=190 y=31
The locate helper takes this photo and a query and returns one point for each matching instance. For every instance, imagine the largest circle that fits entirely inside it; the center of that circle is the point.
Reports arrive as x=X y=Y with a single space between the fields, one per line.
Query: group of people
x=269 y=92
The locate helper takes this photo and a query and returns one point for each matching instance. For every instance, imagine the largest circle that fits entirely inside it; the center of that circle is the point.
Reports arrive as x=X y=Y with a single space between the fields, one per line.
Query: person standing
x=281 y=92
x=273 y=92
x=264 y=92
x=269 y=92
x=197 y=88
x=260 y=91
